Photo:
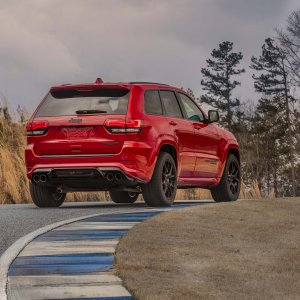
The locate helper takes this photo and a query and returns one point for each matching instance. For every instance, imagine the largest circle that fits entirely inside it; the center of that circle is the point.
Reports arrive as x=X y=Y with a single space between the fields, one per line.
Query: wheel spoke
x=57 y=196
x=164 y=187
x=168 y=178
x=233 y=177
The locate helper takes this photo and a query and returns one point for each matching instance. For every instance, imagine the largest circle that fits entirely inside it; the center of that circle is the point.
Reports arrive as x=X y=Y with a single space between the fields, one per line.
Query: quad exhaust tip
x=39 y=178
x=118 y=176
x=36 y=178
x=110 y=176
x=43 y=178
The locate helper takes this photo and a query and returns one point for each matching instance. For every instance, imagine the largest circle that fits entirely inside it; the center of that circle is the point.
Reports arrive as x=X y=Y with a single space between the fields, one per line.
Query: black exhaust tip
x=118 y=176
x=36 y=178
x=110 y=176
x=43 y=178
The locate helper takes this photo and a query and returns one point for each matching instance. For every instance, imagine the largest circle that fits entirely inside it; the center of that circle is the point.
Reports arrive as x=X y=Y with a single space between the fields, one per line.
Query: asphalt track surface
x=19 y=220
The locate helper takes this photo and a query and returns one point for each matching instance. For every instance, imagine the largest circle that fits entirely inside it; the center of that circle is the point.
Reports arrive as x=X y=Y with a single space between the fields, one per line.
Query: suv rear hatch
x=81 y=121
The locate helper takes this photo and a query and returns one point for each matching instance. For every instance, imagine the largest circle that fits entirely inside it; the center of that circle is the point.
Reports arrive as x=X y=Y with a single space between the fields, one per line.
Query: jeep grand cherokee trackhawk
x=127 y=138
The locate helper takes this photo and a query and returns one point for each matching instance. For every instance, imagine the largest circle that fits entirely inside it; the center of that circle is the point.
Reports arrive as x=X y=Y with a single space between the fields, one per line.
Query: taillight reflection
x=36 y=128
x=124 y=125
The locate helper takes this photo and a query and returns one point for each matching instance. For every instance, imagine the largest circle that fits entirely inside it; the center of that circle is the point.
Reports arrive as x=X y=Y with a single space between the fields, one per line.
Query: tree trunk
x=290 y=139
x=275 y=182
x=228 y=96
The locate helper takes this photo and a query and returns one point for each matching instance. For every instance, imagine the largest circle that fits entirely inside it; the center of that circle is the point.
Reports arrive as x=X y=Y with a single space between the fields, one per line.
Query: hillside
x=13 y=182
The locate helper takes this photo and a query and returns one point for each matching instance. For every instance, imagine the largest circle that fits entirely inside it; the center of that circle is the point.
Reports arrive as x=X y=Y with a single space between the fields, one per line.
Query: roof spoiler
x=99 y=80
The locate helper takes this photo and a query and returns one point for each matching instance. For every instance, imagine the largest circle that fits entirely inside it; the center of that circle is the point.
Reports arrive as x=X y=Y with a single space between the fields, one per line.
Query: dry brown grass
x=88 y=196
x=13 y=181
x=253 y=192
x=242 y=250
x=193 y=194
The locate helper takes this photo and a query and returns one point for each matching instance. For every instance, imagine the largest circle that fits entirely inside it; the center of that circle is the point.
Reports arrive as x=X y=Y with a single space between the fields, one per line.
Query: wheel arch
x=231 y=148
x=235 y=152
x=171 y=149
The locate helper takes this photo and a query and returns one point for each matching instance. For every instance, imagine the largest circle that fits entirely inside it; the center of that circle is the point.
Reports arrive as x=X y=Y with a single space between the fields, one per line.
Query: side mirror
x=213 y=116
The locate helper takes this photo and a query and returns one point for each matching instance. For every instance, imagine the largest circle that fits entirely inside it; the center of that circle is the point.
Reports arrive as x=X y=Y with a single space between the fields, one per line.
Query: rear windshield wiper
x=90 y=111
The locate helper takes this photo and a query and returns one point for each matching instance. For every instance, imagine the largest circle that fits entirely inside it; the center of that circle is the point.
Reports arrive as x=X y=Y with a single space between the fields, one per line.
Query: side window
x=152 y=103
x=171 y=104
x=192 y=111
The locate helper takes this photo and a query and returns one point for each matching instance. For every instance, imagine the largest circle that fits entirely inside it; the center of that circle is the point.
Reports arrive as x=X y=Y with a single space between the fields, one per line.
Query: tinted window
x=67 y=102
x=171 y=104
x=192 y=111
x=152 y=104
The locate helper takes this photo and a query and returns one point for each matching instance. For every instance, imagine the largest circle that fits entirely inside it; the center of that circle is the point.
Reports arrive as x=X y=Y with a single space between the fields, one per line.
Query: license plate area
x=63 y=173
x=73 y=133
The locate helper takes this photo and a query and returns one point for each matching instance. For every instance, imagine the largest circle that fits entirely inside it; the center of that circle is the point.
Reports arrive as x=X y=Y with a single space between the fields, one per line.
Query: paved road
x=19 y=220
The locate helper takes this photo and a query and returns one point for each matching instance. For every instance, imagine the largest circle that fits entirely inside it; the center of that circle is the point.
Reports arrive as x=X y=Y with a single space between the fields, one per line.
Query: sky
x=50 y=42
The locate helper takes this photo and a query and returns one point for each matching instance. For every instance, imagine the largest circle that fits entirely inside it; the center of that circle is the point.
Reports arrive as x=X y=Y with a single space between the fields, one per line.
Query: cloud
x=47 y=42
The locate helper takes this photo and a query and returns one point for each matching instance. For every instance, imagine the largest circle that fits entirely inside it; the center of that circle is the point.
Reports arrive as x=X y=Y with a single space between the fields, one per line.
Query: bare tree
x=290 y=41
x=273 y=80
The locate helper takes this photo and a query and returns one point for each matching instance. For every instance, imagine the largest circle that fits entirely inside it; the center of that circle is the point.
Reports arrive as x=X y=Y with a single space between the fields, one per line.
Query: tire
x=123 y=197
x=161 y=190
x=46 y=196
x=230 y=184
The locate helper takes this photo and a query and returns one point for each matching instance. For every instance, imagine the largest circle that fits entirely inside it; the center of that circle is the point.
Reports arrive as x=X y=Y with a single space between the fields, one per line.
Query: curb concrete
x=77 y=243
x=14 y=250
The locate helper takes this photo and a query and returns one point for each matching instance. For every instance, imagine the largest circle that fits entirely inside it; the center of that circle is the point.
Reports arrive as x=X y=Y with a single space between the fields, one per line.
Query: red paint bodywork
x=201 y=149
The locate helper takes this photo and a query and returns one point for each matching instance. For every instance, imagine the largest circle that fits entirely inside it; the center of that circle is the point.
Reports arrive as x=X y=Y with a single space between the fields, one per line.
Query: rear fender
x=157 y=150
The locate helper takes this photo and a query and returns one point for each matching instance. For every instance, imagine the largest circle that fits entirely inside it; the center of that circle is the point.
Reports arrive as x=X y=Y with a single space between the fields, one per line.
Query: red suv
x=127 y=138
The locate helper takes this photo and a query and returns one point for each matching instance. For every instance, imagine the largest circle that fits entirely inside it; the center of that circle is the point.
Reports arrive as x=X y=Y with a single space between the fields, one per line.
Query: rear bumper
x=136 y=161
x=84 y=179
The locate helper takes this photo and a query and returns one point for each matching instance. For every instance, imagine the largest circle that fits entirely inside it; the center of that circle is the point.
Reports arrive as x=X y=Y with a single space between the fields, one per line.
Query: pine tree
x=269 y=128
x=190 y=92
x=218 y=82
x=273 y=81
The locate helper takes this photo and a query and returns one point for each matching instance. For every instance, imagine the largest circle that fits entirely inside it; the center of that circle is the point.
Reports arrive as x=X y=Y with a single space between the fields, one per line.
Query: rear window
x=71 y=102
x=152 y=103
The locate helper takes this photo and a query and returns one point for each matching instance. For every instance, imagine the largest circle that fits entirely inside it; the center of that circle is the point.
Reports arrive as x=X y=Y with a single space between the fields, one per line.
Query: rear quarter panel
x=155 y=131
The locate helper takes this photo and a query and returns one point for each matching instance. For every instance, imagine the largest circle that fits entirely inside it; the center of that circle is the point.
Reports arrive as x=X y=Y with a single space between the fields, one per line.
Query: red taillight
x=123 y=126
x=133 y=125
x=37 y=127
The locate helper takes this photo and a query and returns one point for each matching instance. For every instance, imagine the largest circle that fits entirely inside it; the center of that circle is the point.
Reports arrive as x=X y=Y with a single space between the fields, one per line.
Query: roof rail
x=146 y=82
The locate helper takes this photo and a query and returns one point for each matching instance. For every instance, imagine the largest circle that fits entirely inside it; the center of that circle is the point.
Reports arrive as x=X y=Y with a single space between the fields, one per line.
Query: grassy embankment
x=243 y=250
x=14 y=184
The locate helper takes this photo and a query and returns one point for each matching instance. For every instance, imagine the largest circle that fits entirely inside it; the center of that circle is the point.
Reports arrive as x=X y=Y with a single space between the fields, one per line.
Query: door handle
x=172 y=123
x=197 y=127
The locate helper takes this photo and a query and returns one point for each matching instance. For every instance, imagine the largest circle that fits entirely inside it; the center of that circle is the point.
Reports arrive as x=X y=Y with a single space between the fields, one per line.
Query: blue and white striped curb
x=75 y=261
